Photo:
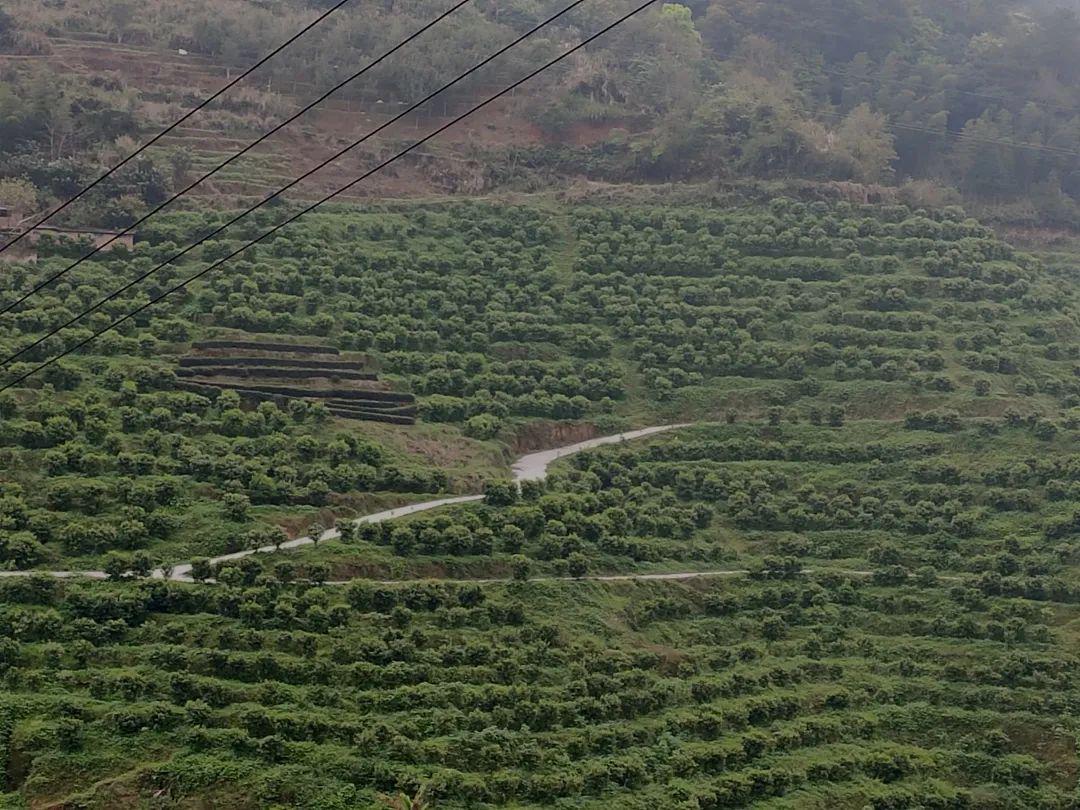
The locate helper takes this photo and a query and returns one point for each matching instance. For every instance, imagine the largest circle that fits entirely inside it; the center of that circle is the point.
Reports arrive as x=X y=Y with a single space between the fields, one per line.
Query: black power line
x=177 y=123
x=232 y=158
x=291 y=184
x=347 y=186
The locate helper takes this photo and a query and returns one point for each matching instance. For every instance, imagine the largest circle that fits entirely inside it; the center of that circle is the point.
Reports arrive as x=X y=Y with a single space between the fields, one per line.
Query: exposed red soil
x=543 y=435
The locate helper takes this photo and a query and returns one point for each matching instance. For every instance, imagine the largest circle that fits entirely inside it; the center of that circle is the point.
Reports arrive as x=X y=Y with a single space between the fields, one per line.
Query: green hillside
x=695 y=428
x=817 y=692
x=492 y=316
x=935 y=100
x=881 y=496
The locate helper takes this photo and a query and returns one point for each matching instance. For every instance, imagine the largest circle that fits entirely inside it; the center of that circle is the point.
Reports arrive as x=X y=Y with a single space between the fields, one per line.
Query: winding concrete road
x=530 y=467
x=534 y=466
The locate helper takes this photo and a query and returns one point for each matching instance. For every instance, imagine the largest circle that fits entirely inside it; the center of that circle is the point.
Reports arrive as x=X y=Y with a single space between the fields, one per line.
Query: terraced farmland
x=821 y=692
x=278 y=372
x=701 y=452
x=882 y=485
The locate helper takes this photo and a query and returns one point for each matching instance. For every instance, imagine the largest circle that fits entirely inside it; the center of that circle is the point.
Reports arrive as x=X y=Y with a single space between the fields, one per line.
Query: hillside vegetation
x=817 y=692
x=495 y=315
x=942 y=99
x=842 y=576
x=888 y=481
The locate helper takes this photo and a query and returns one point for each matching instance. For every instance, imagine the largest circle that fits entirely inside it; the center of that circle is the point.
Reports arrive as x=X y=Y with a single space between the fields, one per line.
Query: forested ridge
x=943 y=100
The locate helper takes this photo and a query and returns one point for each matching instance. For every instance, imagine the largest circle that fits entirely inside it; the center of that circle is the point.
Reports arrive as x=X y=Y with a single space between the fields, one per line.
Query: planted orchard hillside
x=164 y=473
x=799 y=692
x=681 y=311
x=869 y=309
x=881 y=493
x=491 y=316
x=841 y=573
x=994 y=500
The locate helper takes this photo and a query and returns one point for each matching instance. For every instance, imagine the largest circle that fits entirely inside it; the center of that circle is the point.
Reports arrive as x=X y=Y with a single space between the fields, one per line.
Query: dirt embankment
x=542 y=435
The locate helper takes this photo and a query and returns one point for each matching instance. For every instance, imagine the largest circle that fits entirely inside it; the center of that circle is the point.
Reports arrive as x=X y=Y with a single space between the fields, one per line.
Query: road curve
x=530 y=467
x=534 y=466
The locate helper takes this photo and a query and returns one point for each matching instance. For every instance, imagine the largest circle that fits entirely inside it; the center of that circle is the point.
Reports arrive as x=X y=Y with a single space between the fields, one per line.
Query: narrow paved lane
x=530 y=467
x=534 y=467
x=183 y=572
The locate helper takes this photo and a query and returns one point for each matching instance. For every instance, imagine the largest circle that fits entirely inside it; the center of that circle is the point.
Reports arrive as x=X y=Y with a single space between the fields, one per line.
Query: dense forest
x=948 y=100
x=687 y=434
